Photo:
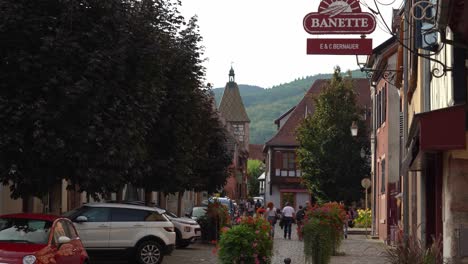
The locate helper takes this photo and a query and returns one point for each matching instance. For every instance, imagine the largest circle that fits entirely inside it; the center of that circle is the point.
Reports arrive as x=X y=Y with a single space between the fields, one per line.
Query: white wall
x=442 y=88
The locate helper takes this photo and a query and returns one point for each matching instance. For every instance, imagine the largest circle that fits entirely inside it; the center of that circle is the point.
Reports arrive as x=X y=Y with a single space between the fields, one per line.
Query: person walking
x=288 y=217
x=346 y=224
x=271 y=216
x=299 y=220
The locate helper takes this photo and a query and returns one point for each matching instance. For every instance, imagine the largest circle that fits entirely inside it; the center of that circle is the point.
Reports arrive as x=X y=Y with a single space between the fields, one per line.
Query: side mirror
x=187 y=214
x=81 y=219
x=63 y=240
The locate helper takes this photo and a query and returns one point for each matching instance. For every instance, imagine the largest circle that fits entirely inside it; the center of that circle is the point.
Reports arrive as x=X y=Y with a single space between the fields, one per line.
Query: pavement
x=356 y=249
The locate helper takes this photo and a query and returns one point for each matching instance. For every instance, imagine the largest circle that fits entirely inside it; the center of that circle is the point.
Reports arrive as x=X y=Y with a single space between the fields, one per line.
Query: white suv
x=140 y=231
x=187 y=229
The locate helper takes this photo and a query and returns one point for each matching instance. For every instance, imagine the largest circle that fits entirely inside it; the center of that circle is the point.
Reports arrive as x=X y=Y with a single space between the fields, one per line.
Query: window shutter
x=278 y=160
x=401 y=124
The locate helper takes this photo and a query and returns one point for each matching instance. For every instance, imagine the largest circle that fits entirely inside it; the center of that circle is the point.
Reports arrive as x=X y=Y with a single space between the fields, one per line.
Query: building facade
x=283 y=175
x=429 y=72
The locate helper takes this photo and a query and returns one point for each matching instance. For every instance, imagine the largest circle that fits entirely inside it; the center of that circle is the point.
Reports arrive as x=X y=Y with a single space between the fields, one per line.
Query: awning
x=294 y=190
x=261 y=177
x=439 y=130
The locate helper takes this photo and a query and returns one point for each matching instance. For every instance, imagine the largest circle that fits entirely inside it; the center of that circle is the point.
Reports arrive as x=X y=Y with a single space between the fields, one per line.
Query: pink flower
x=256 y=232
x=256 y=260
x=254 y=245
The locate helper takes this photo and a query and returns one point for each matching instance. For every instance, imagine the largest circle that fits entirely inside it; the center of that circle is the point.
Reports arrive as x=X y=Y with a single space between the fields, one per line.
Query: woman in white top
x=271 y=215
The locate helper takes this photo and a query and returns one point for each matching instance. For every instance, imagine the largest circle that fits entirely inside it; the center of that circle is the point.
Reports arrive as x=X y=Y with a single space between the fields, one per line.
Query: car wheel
x=149 y=252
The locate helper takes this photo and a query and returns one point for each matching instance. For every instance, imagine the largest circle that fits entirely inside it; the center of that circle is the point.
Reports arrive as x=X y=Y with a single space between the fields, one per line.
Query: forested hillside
x=265 y=105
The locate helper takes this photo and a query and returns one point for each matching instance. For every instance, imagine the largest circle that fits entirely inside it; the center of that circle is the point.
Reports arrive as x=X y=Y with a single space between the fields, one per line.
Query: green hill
x=265 y=105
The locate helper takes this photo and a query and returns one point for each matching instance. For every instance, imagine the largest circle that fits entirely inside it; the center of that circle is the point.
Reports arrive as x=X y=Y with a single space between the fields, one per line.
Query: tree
x=329 y=155
x=101 y=93
x=255 y=168
x=73 y=96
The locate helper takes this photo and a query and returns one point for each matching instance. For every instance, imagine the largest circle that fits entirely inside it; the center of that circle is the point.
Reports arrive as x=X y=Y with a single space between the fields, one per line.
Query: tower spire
x=231 y=74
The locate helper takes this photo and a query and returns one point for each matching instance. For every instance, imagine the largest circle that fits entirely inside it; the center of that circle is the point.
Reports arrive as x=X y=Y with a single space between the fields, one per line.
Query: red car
x=39 y=239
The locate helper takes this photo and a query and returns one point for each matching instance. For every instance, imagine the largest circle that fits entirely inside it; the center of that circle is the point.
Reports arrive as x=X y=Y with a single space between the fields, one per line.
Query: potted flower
x=323 y=232
x=248 y=242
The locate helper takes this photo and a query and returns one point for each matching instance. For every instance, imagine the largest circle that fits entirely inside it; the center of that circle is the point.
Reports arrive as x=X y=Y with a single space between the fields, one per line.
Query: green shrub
x=247 y=243
x=363 y=219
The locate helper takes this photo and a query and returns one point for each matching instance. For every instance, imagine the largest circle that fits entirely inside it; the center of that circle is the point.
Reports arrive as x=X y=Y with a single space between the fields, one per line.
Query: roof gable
x=286 y=135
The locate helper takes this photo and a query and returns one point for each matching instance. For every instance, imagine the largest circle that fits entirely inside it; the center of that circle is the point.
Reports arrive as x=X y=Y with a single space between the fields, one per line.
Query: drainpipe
x=374 y=158
x=405 y=123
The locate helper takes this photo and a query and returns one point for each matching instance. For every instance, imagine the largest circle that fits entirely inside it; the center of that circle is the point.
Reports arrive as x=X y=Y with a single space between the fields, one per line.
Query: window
x=287 y=164
x=384 y=103
x=382 y=187
x=96 y=214
x=239 y=132
x=24 y=230
x=60 y=229
x=70 y=230
x=135 y=215
x=128 y=215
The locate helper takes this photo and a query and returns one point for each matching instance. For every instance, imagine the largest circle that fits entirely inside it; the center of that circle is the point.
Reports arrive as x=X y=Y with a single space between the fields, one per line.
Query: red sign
x=339 y=17
x=339 y=46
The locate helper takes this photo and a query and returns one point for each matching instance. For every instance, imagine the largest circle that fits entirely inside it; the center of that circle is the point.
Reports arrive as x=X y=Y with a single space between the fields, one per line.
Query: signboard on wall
x=339 y=17
x=339 y=46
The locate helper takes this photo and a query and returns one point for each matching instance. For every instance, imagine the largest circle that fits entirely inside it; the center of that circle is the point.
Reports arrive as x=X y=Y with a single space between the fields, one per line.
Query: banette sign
x=339 y=17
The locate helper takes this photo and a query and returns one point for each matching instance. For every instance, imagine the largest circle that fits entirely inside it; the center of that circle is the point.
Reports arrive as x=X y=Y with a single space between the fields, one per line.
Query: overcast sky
x=265 y=39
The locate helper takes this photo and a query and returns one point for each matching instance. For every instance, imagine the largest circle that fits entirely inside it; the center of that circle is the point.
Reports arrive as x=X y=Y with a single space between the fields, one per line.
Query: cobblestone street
x=357 y=250
x=195 y=253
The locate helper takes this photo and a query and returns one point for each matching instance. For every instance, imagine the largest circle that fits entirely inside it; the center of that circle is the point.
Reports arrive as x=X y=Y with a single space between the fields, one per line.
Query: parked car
x=259 y=198
x=39 y=239
x=187 y=230
x=143 y=233
x=197 y=211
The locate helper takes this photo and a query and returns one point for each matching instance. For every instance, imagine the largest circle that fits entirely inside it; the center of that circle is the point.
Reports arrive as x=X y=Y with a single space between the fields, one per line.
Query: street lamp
x=354 y=129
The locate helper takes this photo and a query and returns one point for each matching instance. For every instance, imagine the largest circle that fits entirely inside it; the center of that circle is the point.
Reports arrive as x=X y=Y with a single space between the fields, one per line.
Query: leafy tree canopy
x=329 y=155
x=103 y=92
x=255 y=168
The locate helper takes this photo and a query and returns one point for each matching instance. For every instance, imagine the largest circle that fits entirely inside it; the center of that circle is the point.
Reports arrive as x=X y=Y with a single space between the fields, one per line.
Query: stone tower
x=233 y=111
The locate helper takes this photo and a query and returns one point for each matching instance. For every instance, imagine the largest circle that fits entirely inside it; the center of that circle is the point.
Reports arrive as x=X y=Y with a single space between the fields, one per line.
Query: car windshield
x=72 y=213
x=199 y=211
x=21 y=230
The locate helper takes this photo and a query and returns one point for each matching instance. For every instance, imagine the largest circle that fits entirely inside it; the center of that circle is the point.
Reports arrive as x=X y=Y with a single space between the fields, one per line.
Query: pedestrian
x=257 y=204
x=300 y=215
x=250 y=207
x=346 y=224
x=271 y=215
x=279 y=215
x=288 y=218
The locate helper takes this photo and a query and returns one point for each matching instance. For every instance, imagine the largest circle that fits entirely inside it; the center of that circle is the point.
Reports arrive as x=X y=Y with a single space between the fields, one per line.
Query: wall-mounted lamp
x=362 y=62
x=354 y=129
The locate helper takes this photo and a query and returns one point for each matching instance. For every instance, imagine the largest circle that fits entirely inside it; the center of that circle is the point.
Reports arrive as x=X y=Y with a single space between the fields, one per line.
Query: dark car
x=39 y=239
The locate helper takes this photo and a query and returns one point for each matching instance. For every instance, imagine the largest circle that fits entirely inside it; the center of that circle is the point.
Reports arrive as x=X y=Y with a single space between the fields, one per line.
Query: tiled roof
x=231 y=106
x=256 y=152
x=277 y=120
x=286 y=135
